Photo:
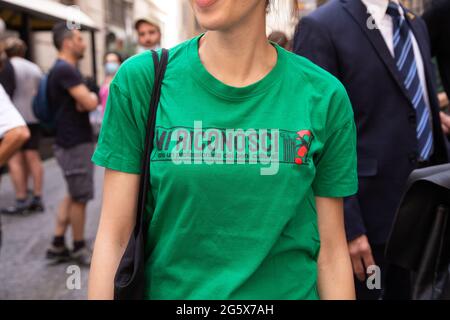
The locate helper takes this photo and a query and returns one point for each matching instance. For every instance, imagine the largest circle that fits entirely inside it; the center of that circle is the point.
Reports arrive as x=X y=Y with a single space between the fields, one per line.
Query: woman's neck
x=239 y=56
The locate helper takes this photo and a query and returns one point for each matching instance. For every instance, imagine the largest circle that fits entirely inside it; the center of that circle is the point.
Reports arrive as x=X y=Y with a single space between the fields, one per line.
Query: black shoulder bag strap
x=160 y=70
x=129 y=281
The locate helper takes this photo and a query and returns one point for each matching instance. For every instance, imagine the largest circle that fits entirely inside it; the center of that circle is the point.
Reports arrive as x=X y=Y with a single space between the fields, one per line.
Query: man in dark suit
x=380 y=52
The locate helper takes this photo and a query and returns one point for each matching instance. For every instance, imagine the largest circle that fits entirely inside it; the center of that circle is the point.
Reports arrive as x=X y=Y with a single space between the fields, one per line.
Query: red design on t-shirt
x=304 y=146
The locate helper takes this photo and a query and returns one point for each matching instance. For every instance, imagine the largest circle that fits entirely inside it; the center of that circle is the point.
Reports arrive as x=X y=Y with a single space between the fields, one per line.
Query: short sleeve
x=9 y=116
x=120 y=142
x=69 y=77
x=336 y=164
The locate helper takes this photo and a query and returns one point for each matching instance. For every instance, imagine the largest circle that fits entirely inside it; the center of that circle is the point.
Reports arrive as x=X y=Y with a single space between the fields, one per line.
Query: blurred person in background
x=13 y=130
x=72 y=101
x=381 y=53
x=26 y=162
x=149 y=35
x=437 y=18
x=112 y=62
x=281 y=39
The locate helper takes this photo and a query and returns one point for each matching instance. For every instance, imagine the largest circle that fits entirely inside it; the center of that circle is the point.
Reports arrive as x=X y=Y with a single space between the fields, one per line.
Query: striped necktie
x=406 y=64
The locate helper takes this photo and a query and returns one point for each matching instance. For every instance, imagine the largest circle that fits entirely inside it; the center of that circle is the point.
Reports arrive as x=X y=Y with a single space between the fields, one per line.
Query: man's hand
x=361 y=255
x=445 y=120
x=443 y=100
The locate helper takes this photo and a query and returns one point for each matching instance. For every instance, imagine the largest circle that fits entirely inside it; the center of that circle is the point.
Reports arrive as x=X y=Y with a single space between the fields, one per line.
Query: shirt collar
x=378 y=8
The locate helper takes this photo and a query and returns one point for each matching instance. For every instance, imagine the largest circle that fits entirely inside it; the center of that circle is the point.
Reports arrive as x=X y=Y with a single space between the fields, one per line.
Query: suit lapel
x=359 y=13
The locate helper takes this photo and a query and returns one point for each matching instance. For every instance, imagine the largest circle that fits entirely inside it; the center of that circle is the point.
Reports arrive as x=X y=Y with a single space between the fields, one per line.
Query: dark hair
x=279 y=38
x=15 y=47
x=117 y=54
x=61 y=33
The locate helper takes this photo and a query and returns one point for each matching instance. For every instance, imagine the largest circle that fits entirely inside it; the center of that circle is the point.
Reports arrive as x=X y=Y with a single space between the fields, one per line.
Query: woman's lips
x=205 y=3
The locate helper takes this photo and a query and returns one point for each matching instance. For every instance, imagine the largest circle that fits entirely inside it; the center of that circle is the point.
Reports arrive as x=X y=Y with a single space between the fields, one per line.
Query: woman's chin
x=213 y=24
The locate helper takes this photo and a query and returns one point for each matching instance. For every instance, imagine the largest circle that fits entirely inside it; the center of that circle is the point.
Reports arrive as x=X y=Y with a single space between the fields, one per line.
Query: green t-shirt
x=234 y=173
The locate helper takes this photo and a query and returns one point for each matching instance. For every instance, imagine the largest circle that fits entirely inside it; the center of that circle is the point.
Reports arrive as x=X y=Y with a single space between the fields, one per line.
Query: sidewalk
x=24 y=272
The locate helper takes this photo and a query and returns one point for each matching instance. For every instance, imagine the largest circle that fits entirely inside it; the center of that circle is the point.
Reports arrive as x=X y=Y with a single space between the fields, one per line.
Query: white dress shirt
x=378 y=8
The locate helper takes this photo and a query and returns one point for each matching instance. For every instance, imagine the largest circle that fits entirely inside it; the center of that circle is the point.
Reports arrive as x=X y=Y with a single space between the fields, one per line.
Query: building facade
x=115 y=22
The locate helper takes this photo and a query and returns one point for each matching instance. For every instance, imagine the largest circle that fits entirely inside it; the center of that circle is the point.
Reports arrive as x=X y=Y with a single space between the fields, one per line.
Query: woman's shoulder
x=139 y=69
x=143 y=62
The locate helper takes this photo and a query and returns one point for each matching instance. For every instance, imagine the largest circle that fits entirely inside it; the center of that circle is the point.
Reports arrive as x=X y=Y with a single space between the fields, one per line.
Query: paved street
x=24 y=272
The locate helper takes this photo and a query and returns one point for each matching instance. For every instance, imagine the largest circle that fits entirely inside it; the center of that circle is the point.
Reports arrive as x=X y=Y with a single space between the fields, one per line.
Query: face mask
x=111 y=68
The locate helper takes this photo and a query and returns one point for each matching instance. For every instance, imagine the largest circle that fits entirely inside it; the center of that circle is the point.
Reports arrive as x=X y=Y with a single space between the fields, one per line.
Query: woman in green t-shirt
x=255 y=148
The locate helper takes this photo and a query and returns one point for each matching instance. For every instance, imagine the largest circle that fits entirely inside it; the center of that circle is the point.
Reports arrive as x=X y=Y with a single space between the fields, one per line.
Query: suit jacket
x=437 y=19
x=337 y=37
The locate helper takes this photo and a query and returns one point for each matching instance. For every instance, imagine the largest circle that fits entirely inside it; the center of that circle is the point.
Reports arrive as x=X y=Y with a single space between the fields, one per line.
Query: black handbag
x=129 y=281
x=420 y=238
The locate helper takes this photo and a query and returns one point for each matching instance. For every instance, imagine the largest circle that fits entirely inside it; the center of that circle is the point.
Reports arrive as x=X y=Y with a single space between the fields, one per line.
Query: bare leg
x=63 y=217
x=77 y=220
x=58 y=251
x=18 y=172
x=34 y=163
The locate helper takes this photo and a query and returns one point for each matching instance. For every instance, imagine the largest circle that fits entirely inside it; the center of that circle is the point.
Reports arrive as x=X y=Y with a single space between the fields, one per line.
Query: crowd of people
x=72 y=100
x=385 y=111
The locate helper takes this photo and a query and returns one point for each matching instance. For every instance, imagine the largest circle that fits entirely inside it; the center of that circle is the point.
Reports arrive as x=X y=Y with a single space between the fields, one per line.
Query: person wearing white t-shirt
x=13 y=130
x=26 y=164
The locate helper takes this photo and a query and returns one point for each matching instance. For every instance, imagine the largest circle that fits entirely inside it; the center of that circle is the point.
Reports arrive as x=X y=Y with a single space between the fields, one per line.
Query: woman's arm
x=116 y=224
x=335 y=276
x=11 y=142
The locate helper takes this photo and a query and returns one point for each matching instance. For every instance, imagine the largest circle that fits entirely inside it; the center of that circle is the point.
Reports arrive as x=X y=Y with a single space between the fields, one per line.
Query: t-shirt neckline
x=218 y=88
